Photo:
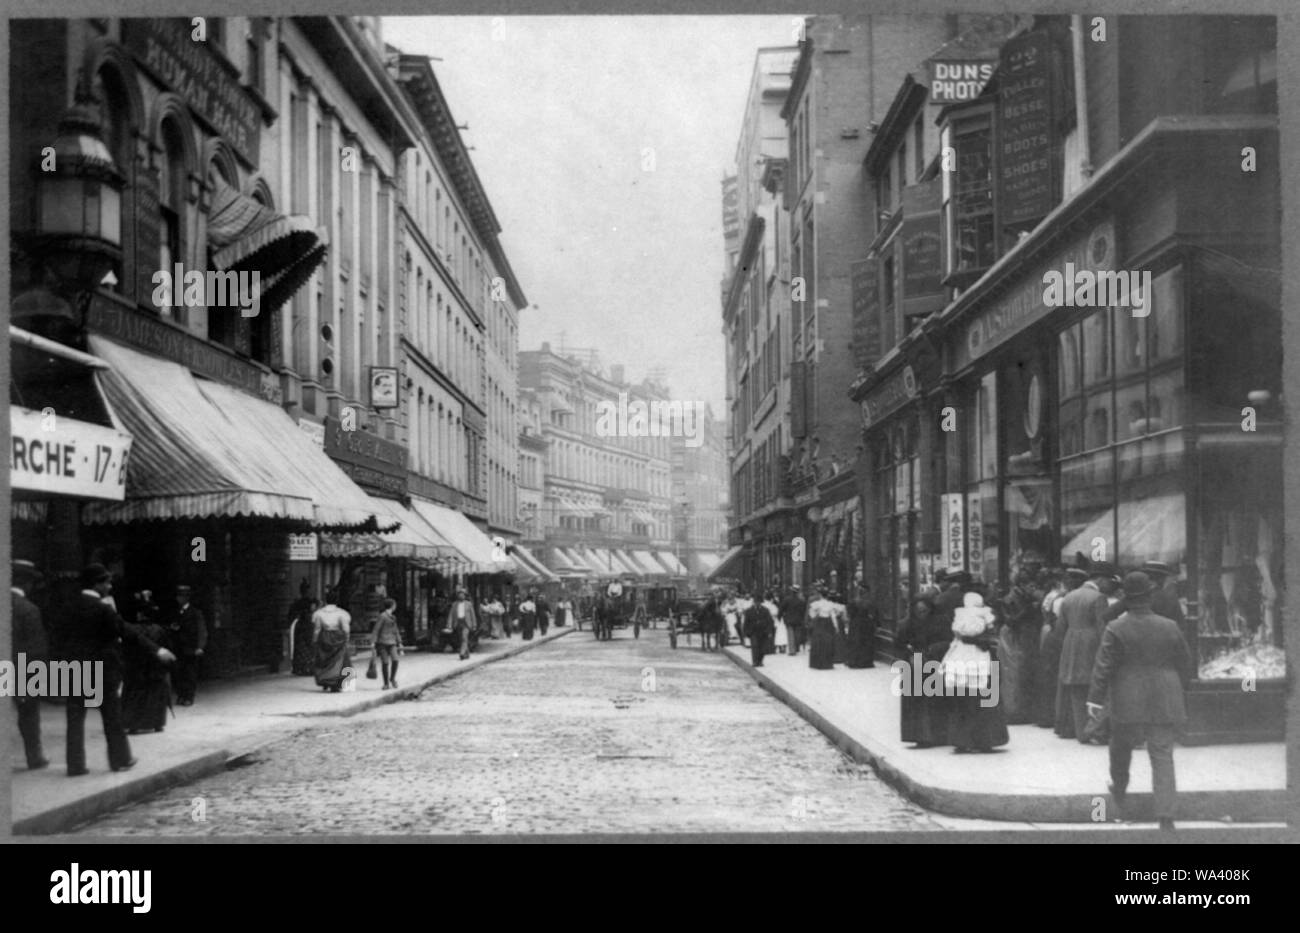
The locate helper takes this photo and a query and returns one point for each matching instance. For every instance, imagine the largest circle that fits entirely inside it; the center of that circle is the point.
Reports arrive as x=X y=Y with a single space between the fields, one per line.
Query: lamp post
x=77 y=238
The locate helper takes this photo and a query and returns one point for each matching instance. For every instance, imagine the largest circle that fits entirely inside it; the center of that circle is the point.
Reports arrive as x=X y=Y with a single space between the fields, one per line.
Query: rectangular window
x=969 y=207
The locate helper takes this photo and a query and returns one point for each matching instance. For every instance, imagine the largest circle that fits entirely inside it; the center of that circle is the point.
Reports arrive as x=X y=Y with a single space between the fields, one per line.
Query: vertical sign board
x=1025 y=129
x=954 y=532
x=923 y=291
x=974 y=533
x=147 y=227
x=866 y=310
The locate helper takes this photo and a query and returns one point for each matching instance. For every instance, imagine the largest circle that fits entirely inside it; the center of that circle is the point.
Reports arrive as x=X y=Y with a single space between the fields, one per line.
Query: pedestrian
x=543 y=611
x=781 y=640
x=760 y=630
x=731 y=619
x=146 y=687
x=975 y=720
x=1143 y=667
x=388 y=643
x=821 y=620
x=564 y=611
x=299 y=621
x=331 y=630
x=1017 y=650
x=1082 y=616
x=92 y=632
x=924 y=638
x=496 y=614
x=1051 y=637
x=528 y=617
x=189 y=634
x=31 y=641
x=462 y=621
x=862 y=626
x=793 y=610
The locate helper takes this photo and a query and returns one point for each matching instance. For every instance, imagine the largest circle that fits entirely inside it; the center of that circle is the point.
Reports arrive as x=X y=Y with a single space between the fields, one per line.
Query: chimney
x=616 y=373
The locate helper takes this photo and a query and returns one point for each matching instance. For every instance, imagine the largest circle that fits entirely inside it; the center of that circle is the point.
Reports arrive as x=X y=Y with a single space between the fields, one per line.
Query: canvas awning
x=248 y=236
x=475 y=546
x=629 y=565
x=729 y=566
x=675 y=567
x=205 y=450
x=525 y=559
x=413 y=538
x=648 y=564
x=580 y=560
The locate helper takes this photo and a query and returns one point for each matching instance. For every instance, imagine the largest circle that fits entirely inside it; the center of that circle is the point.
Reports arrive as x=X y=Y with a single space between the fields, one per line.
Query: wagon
x=684 y=621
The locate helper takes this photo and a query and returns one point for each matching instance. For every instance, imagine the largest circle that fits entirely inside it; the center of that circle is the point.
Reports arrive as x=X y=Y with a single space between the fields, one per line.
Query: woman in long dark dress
x=862 y=628
x=821 y=619
x=924 y=637
x=146 y=685
x=1018 y=649
x=304 y=646
x=331 y=628
x=975 y=724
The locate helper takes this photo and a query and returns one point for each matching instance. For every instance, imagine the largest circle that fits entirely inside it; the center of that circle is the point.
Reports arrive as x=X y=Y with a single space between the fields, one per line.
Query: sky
x=602 y=143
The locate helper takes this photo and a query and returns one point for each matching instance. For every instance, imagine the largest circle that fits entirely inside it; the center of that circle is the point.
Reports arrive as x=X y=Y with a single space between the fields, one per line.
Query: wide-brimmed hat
x=1101 y=568
x=1137 y=584
x=960 y=577
x=1076 y=573
x=95 y=573
x=26 y=571
x=1157 y=567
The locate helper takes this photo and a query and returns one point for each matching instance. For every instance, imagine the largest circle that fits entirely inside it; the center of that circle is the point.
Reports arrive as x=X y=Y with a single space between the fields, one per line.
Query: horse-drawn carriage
x=690 y=618
x=613 y=612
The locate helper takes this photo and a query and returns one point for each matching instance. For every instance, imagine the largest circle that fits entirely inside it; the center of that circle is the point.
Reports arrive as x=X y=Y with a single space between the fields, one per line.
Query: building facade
x=1010 y=426
x=699 y=496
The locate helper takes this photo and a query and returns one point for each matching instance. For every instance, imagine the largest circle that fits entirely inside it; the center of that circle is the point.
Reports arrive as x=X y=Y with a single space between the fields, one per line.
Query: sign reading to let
x=57 y=455
x=304 y=547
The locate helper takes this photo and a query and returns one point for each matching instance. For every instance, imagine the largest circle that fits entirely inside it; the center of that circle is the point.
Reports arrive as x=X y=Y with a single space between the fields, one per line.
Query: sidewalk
x=229 y=718
x=1037 y=777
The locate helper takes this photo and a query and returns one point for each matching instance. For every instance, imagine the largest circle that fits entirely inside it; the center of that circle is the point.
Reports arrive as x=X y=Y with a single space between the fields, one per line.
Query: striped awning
x=648 y=564
x=629 y=566
x=729 y=566
x=475 y=546
x=675 y=567
x=205 y=450
x=249 y=236
x=527 y=562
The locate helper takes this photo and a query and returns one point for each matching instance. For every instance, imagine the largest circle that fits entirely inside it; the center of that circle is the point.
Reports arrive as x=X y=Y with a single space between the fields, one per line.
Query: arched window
x=115 y=122
x=172 y=206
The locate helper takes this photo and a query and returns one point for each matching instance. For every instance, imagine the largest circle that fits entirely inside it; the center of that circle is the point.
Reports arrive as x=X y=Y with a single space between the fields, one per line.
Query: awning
x=674 y=566
x=708 y=561
x=414 y=537
x=205 y=450
x=729 y=566
x=465 y=537
x=283 y=250
x=558 y=562
x=648 y=564
x=629 y=566
x=524 y=558
x=643 y=516
x=580 y=560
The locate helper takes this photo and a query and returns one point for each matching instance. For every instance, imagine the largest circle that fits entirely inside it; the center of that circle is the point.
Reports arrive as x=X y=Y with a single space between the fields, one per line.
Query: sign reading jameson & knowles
x=166 y=48
x=52 y=454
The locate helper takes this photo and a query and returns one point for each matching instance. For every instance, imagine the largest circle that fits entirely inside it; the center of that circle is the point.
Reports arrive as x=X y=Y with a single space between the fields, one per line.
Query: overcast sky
x=560 y=111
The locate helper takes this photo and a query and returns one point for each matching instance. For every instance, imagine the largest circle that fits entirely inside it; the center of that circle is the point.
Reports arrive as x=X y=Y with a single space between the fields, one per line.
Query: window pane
x=1131 y=409
x=1087 y=511
x=1152 y=504
x=1097 y=432
x=988 y=426
x=1096 y=349
x=1165 y=324
x=1166 y=407
x=1130 y=342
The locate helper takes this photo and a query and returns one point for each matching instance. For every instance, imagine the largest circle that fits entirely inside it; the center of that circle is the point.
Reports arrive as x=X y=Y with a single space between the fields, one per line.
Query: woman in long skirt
x=146 y=687
x=924 y=637
x=332 y=627
x=782 y=640
x=1017 y=651
x=821 y=619
x=975 y=722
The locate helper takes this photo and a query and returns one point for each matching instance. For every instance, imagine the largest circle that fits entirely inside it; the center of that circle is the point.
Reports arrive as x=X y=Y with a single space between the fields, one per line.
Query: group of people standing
x=146 y=653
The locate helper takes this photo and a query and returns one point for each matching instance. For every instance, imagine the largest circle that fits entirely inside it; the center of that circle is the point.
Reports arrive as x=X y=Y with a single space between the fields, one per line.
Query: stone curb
x=1241 y=806
x=63 y=818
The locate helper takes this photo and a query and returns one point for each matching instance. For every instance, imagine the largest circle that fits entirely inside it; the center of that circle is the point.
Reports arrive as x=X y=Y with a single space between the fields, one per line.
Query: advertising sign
x=383 y=387
x=1025 y=129
x=954 y=532
x=52 y=454
x=956 y=80
x=304 y=547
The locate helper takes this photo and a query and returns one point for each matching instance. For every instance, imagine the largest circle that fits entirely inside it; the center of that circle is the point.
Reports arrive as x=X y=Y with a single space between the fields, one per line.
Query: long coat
x=29 y=632
x=1082 y=616
x=1143 y=665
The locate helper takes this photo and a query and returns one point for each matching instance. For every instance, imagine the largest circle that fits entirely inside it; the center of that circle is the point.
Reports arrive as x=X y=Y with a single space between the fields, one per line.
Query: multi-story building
x=606 y=508
x=700 y=481
x=1067 y=387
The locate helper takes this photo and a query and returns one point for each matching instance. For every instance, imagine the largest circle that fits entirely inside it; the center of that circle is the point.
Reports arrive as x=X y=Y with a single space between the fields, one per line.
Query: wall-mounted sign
x=383 y=387
x=1025 y=129
x=866 y=310
x=371 y=461
x=166 y=49
x=889 y=396
x=956 y=80
x=731 y=207
x=974 y=532
x=304 y=547
x=923 y=291
x=63 y=457
x=954 y=532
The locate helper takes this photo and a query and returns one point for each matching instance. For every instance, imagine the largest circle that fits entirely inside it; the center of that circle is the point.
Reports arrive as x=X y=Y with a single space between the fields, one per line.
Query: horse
x=710 y=622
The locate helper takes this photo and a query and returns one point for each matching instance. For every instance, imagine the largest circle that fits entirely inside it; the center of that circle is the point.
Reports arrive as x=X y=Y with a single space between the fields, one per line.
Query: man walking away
x=189 y=632
x=794 y=608
x=29 y=640
x=1143 y=667
x=760 y=630
x=1082 y=617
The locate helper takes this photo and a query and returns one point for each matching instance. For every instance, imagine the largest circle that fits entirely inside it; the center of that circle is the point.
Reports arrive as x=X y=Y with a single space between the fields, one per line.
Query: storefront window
x=1027 y=492
x=1087 y=507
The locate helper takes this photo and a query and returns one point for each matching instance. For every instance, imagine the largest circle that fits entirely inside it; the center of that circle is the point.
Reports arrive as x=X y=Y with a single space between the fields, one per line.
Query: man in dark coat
x=93 y=631
x=189 y=633
x=1143 y=666
x=31 y=642
x=793 y=610
x=862 y=627
x=760 y=629
x=1083 y=616
x=1162 y=601
x=543 y=613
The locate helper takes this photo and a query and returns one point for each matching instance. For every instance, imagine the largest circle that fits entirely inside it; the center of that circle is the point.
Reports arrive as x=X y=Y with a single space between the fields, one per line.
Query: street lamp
x=77 y=239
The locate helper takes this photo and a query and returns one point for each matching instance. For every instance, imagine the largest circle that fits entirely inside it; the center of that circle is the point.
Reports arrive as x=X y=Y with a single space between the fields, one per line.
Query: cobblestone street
x=626 y=736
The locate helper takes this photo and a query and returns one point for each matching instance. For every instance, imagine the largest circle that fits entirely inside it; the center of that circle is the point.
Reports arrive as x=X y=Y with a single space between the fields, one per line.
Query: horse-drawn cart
x=687 y=620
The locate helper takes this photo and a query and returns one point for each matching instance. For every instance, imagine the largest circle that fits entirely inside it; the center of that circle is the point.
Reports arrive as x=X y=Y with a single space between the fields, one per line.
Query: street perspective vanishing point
x=656 y=425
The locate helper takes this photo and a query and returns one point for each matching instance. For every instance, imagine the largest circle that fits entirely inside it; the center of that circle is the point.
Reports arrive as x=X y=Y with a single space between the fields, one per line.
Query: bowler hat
x=94 y=573
x=1137 y=584
x=1076 y=573
x=1101 y=568
x=1157 y=567
x=961 y=577
x=26 y=570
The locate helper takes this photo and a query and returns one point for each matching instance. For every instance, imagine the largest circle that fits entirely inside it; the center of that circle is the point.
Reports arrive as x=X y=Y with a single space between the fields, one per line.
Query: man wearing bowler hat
x=1143 y=666
x=32 y=644
x=1162 y=601
x=189 y=633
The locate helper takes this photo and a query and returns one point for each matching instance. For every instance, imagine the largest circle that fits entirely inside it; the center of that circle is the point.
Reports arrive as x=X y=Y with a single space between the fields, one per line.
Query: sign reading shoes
x=57 y=455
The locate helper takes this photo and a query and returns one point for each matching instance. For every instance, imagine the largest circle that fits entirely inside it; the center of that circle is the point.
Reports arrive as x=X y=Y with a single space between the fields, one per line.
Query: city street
x=561 y=739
